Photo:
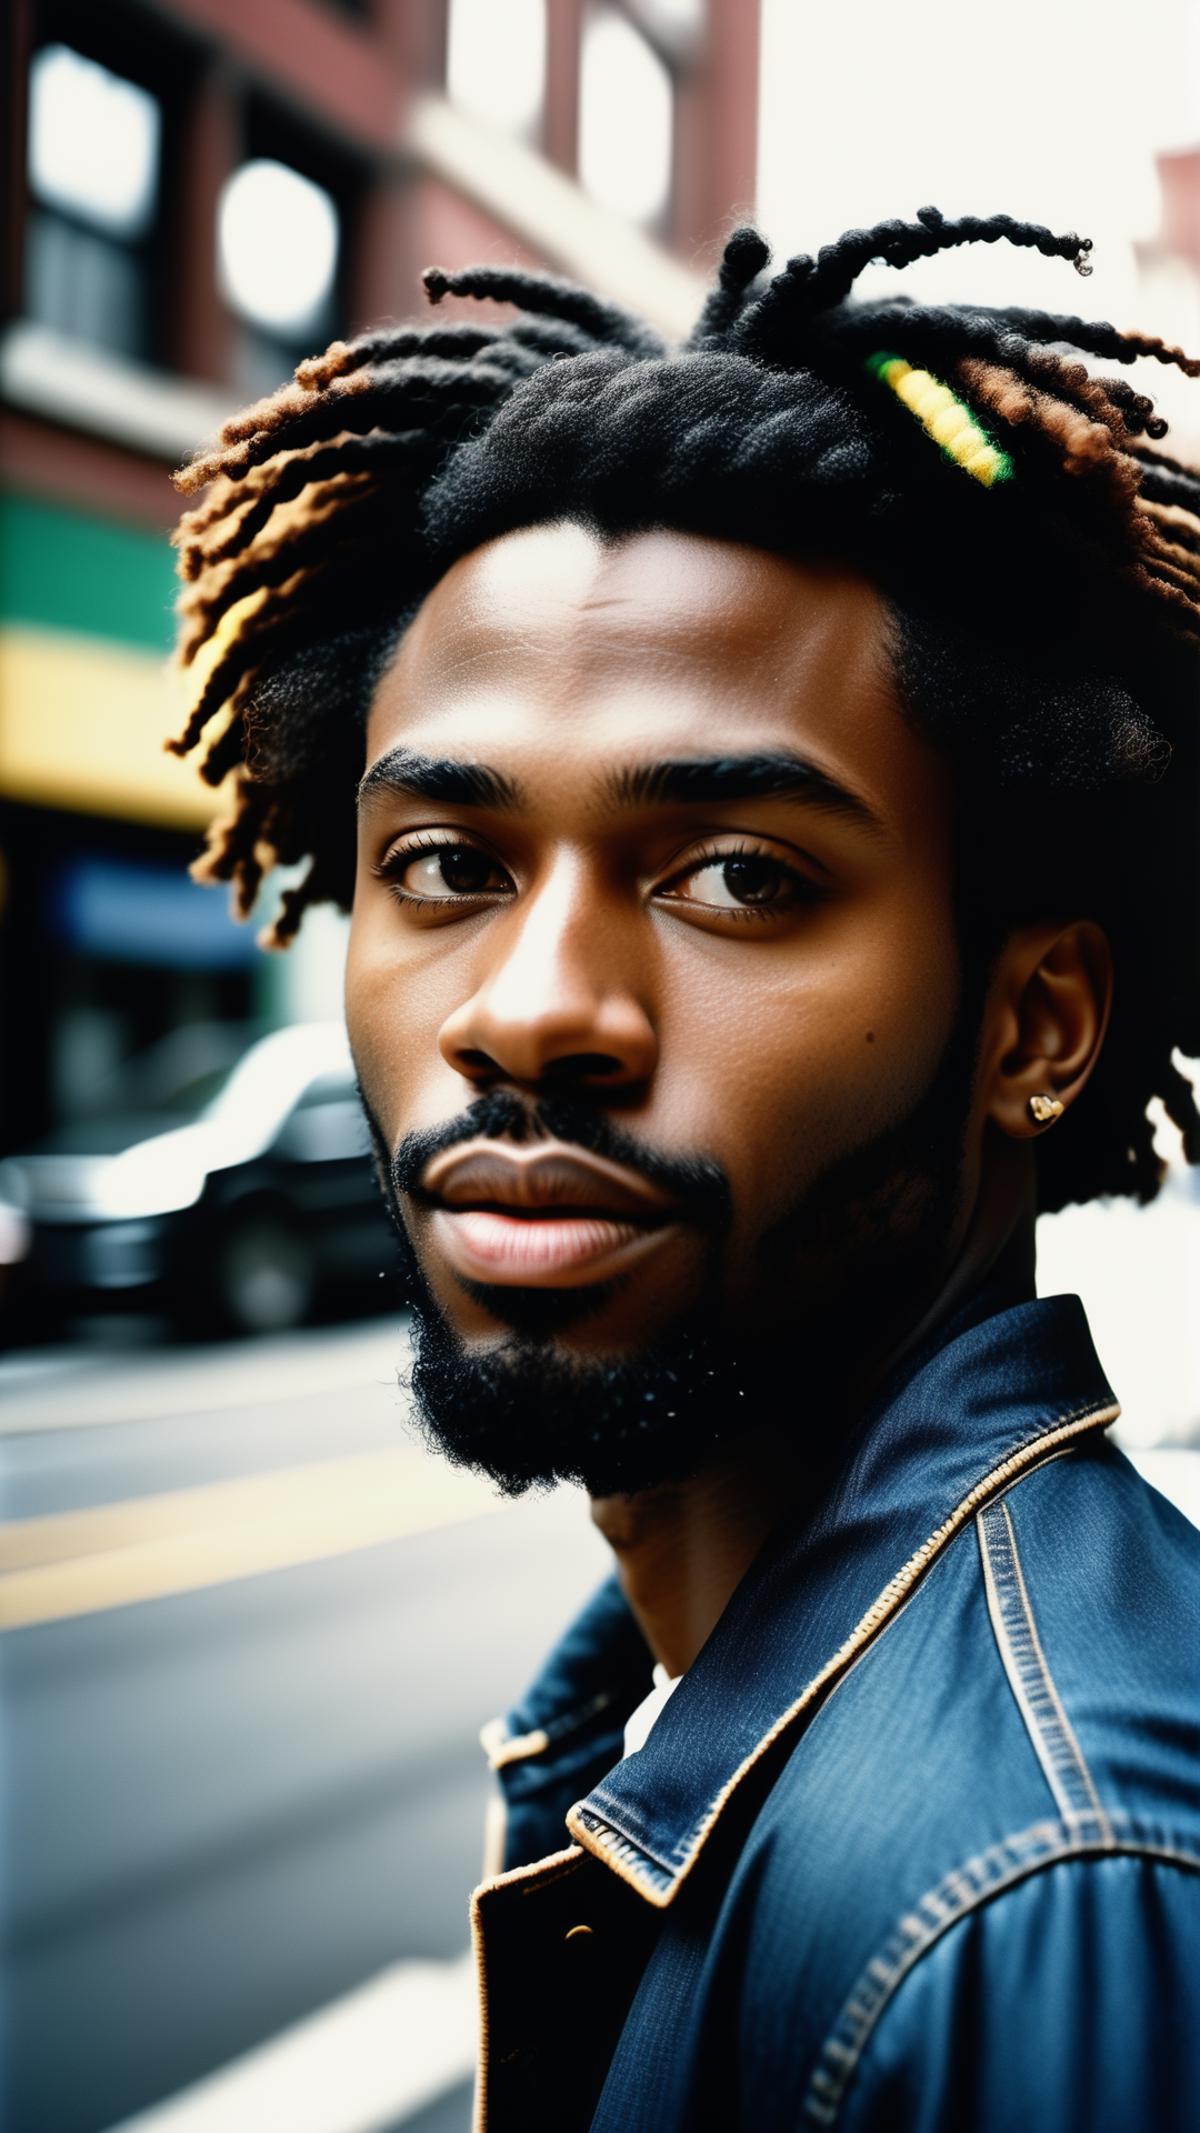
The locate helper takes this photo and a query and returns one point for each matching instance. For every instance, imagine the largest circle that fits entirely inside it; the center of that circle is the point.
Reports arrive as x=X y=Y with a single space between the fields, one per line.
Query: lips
x=545 y=1178
x=541 y=1216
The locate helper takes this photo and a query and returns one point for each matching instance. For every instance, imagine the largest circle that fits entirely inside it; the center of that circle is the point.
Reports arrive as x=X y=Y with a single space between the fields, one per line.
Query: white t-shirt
x=639 y=1722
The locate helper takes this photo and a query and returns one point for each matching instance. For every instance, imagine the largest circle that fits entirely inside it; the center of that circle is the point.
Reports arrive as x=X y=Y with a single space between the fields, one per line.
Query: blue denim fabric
x=916 y=1842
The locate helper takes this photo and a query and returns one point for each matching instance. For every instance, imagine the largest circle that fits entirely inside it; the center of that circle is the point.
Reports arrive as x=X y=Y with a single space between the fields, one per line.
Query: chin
x=536 y=1406
x=541 y=1314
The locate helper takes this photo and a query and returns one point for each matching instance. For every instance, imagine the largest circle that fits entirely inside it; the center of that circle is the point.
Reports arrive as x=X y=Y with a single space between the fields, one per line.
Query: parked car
x=14 y=1243
x=237 y=1216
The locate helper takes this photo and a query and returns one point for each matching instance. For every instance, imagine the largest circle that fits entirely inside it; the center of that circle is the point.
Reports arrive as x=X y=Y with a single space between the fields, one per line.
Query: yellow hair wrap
x=948 y=421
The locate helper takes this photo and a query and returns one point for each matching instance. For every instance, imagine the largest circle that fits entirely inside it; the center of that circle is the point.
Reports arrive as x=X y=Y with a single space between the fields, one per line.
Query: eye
x=744 y=882
x=435 y=873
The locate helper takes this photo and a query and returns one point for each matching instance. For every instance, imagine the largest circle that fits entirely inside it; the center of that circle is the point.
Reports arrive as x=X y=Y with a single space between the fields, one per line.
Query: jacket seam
x=631 y=1861
x=1028 y=1671
x=502 y=1747
x=957 y=1896
x=1065 y=1451
x=538 y=1874
x=862 y=1656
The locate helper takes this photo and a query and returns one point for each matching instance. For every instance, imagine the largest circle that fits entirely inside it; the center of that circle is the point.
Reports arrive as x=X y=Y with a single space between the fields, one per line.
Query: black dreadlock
x=1042 y=569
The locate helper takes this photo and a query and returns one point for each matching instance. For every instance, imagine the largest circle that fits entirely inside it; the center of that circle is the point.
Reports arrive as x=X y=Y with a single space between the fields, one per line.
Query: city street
x=251 y=1632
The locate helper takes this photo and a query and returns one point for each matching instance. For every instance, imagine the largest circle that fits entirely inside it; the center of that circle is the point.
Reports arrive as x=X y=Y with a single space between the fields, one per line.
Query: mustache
x=698 y=1185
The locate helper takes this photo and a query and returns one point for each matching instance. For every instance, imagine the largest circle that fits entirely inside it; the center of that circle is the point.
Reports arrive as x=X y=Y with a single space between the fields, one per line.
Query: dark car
x=237 y=1218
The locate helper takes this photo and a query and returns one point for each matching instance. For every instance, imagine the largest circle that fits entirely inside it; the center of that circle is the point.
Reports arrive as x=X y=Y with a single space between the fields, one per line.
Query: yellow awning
x=82 y=726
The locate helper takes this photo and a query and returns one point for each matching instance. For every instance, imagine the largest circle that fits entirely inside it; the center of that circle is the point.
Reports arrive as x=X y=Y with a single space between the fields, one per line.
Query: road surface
x=251 y=1632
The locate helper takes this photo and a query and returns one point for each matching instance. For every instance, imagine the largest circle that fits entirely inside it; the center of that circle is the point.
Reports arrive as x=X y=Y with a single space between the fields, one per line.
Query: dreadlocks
x=1040 y=558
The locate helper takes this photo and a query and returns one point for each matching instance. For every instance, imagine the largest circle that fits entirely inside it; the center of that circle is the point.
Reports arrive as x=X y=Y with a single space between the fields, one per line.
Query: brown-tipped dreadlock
x=1040 y=556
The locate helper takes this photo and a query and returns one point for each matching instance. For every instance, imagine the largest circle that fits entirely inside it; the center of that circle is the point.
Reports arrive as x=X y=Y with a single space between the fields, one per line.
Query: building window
x=496 y=61
x=625 y=119
x=278 y=245
x=677 y=24
x=94 y=152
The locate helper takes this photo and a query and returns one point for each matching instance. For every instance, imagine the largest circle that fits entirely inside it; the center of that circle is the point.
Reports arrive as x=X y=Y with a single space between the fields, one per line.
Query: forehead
x=552 y=647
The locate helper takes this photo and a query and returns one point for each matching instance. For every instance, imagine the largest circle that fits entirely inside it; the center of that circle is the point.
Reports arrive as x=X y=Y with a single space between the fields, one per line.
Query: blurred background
x=249 y=1630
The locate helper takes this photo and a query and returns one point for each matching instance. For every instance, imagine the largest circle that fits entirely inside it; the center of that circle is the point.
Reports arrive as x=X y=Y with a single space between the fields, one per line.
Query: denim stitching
x=630 y=1860
x=886 y=1607
x=1046 y=1722
x=568 y=1721
x=502 y=1747
x=964 y=1890
x=541 y=1872
x=621 y=1851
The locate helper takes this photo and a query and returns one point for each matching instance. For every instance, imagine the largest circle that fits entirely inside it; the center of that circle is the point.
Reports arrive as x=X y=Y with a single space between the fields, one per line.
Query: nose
x=558 y=997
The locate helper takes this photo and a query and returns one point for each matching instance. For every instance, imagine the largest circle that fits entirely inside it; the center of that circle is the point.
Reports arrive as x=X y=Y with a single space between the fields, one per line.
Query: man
x=774 y=883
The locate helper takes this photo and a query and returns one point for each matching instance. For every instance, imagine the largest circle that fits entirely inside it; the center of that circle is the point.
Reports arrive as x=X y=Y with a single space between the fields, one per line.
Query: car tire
x=263 y=1279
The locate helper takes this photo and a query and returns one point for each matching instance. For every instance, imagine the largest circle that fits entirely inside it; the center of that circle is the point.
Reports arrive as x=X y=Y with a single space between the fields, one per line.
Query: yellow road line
x=147 y=1548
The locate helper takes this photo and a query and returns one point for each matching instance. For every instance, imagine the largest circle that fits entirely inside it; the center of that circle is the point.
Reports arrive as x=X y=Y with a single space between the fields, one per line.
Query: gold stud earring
x=1045 y=1109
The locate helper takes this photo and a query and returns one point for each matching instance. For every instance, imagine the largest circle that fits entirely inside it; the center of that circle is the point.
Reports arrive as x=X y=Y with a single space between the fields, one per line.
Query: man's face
x=653 y=991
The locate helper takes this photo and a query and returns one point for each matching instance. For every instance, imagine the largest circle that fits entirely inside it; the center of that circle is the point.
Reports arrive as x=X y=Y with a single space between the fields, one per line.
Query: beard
x=837 y=1278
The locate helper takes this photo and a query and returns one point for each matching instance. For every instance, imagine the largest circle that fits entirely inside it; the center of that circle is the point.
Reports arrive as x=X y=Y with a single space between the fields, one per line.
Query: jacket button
x=579 y=1933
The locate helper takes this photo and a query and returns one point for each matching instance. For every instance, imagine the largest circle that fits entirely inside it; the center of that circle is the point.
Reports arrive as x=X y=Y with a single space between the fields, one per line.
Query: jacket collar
x=990 y=1403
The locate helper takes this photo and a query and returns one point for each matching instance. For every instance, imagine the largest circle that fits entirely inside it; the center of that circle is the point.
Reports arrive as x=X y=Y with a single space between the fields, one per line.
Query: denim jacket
x=915 y=1844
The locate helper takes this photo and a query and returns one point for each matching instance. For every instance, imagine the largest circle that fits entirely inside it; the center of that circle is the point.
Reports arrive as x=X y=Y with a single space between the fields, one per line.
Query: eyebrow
x=427 y=777
x=687 y=781
x=776 y=776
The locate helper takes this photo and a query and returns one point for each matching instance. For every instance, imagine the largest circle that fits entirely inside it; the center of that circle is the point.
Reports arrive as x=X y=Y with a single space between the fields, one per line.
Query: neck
x=682 y=1549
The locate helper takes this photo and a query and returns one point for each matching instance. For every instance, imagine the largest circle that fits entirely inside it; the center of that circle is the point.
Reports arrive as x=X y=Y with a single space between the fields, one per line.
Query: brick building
x=199 y=192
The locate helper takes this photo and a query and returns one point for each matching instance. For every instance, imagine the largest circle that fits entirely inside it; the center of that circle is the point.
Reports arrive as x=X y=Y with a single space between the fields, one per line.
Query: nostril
x=473 y=1062
x=583 y=1066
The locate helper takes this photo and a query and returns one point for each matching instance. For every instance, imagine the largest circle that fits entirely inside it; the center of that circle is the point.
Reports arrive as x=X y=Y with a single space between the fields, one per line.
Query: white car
x=237 y=1217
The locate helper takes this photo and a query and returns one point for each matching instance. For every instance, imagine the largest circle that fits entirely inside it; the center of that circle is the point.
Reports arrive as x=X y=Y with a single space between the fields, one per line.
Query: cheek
x=394 y=1011
x=792 y=1057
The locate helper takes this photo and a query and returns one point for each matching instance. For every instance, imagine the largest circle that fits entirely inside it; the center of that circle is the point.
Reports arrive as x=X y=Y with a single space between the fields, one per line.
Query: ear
x=1048 y=1009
